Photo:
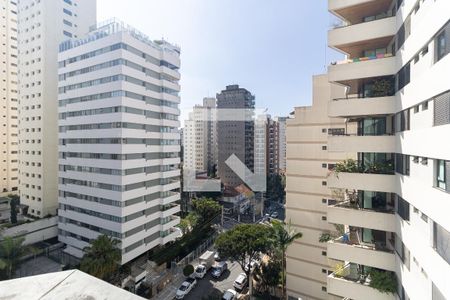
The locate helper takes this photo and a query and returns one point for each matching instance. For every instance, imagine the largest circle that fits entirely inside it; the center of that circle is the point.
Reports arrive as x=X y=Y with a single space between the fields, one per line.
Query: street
x=208 y=284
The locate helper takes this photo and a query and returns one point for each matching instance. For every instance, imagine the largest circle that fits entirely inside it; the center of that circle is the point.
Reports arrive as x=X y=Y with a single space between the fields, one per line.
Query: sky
x=270 y=47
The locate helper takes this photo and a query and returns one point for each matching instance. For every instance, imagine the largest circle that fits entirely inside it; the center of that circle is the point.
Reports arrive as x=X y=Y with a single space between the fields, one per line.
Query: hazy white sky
x=270 y=47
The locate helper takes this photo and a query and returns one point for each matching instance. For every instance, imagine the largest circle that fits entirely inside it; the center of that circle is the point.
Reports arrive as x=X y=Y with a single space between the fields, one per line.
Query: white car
x=200 y=271
x=240 y=282
x=253 y=263
x=274 y=215
x=229 y=295
x=185 y=288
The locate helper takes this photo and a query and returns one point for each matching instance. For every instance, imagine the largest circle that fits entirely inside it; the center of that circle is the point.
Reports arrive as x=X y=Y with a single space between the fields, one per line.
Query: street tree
x=283 y=236
x=206 y=209
x=102 y=258
x=11 y=249
x=244 y=242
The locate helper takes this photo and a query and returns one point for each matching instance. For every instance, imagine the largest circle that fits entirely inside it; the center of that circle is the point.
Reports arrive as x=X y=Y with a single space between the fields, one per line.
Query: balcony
x=169 y=210
x=358 y=106
x=357 y=143
x=361 y=253
x=358 y=68
x=171 y=222
x=352 y=39
x=355 y=10
x=350 y=282
x=169 y=235
x=363 y=181
x=350 y=214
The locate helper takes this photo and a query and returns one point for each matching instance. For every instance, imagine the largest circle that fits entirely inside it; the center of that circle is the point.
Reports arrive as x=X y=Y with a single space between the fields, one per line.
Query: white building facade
x=398 y=95
x=119 y=144
x=200 y=138
x=8 y=99
x=42 y=26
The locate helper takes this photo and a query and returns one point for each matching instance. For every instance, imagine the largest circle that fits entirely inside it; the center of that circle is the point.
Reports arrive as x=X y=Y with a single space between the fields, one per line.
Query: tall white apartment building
x=307 y=194
x=8 y=98
x=43 y=25
x=394 y=203
x=200 y=138
x=260 y=144
x=119 y=144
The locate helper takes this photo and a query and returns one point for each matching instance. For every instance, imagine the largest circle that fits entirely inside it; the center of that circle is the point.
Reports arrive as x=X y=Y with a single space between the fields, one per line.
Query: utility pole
x=222 y=218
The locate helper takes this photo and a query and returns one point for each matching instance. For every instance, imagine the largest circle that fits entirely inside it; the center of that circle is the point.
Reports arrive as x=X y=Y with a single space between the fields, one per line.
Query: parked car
x=229 y=295
x=200 y=271
x=185 y=288
x=207 y=259
x=274 y=215
x=219 y=268
x=217 y=257
x=253 y=263
x=241 y=282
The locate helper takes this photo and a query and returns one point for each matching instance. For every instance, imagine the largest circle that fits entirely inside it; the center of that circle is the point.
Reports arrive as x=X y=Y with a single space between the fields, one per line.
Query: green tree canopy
x=11 y=249
x=244 y=242
x=102 y=258
x=206 y=209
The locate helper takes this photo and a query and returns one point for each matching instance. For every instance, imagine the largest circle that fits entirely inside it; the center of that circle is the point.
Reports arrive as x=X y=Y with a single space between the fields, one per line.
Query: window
x=324 y=165
x=67 y=12
x=441 y=45
x=68 y=34
x=402 y=164
x=324 y=147
x=402 y=208
x=67 y=23
x=441 y=109
x=440 y=174
x=441 y=241
x=425 y=105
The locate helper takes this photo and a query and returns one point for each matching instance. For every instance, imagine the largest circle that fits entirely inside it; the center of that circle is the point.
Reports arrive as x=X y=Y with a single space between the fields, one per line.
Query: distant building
x=281 y=144
x=200 y=138
x=8 y=99
x=42 y=26
x=235 y=137
x=119 y=145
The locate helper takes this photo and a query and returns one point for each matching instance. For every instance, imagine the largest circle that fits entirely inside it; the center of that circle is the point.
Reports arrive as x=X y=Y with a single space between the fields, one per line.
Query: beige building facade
x=307 y=194
x=8 y=98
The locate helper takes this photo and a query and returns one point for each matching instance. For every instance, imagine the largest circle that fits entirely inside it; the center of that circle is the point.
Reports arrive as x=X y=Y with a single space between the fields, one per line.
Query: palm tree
x=284 y=235
x=101 y=259
x=11 y=249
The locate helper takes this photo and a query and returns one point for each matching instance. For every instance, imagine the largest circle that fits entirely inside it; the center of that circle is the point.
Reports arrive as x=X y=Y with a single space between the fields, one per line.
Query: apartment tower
x=42 y=26
x=119 y=144
x=396 y=201
x=281 y=144
x=8 y=98
x=235 y=136
x=200 y=138
x=307 y=194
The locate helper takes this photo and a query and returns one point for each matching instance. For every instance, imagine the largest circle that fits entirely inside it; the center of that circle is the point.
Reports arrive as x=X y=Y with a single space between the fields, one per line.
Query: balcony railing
x=356 y=205
x=353 y=239
x=364 y=58
x=355 y=166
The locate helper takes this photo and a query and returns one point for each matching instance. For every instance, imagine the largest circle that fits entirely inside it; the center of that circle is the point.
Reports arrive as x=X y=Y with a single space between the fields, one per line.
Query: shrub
x=324 y=237
x=188 y=270
x=347 y=166
x=384 y=281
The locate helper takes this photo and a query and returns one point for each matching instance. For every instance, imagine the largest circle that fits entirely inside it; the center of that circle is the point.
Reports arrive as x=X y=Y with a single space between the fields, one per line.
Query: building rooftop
x=113 y=26
x=71 y=284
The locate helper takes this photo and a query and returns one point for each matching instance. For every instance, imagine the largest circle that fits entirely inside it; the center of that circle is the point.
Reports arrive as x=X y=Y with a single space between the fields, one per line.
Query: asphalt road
x=208 y=284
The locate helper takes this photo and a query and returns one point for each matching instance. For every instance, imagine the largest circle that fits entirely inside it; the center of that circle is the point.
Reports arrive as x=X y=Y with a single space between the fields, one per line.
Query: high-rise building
x=43 y=25
x=8 y=98
x=281 y=144
x=119 y=142
x=200 y=138
x=260 y=146
x=396 y=203
x=235 y=136
x=307 y=194
x=391 y=203
x=273 y=147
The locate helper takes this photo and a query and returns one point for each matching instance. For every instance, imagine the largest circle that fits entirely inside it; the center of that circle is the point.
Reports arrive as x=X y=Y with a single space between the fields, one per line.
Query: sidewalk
x=170 y=290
